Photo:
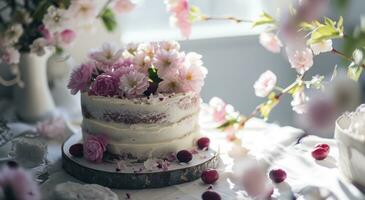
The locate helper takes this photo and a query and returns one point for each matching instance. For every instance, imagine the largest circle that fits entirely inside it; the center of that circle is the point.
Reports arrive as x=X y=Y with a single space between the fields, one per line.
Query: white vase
x=33 y=101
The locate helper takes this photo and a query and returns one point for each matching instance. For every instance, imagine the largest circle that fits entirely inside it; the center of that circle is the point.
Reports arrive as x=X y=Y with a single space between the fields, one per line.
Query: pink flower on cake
x=170 y=45
x=300 y=60
x=271 y=42
x=142 y=62
x=123 y=6
x=105 y=85
x=300 y=102
x=94 y=148
x=265 y=84
x=322 y=47
x=167 y=62
x=133 y=84
x=18 y=184
x=170 y=84
x=179 y=10
x=107 y=55
x=81 y=78
x=10 y=56
x=193 y=78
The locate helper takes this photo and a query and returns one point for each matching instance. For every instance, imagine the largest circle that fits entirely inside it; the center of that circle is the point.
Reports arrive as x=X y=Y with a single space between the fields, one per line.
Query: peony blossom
x=10 y=56
x=67 y=36
x=94 y=148
x=265 y=84
x=18 y=184
x=84 y=11
x=123 y=6
x=170 y=84
x=81 y=78
x=167 y=62
x=180 y=15
x=107 y=55
x=271 y=42
x=133 y=84
x=322 y=47
x=38 y=46
x=299 y=102
x=55 y=19
x=52 y=128
x=301 y=60
x=105 y=85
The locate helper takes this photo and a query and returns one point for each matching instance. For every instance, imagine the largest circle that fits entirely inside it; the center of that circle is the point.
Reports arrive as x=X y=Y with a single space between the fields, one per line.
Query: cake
x=139 y=103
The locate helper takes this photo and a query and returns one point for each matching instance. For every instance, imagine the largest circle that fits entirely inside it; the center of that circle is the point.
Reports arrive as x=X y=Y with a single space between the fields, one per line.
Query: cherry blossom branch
x=228 y=18
x=342 y=55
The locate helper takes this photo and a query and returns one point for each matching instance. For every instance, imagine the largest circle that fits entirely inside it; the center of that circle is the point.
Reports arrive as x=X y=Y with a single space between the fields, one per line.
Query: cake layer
x=141 y=133
x=154 y=150
x=155 y=109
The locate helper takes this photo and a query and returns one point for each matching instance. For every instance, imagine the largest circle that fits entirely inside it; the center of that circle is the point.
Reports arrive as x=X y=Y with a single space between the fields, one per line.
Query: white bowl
x=351 y=152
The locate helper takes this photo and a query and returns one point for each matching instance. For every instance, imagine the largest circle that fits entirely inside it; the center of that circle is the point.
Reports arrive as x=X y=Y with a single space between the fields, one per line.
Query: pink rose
x=105 y=85
x=81 y=78
x=265 y=84
x=67 y=36
x=94 y=148
x=270 y=41
x=300 y=60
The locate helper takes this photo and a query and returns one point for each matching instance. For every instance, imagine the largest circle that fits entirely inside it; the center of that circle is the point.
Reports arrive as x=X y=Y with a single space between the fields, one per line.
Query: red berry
x=77 y=150
x=325 y=146
x=277 y=175
x=209 y=176
x=203 y=143
x=319 y=153
x=211 y=195
x=184 y=156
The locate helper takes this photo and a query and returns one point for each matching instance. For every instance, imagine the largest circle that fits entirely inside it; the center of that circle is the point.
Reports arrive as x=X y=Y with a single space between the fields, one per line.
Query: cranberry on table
x=210 y=176
x=325 y=146
x=203 y=143
x=184 y=156
x=277 y=175
x=77 y=150
x=320 y=153
x=211 y=195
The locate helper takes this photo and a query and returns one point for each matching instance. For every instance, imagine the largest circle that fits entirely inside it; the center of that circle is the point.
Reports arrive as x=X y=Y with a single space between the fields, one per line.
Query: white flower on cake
x=142 y=62
x=107 y=55
x=55 y=19
x=171 y=84
x=133 y=84
x=83 y=11
x=170 y=45
x=38 y=46
x=322 y=47
x=193 y=77
x=265 y=84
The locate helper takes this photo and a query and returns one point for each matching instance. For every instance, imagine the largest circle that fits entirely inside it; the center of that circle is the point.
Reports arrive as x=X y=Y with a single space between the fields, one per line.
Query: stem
x=229 y=18
x=105 y=6
x=342 y=55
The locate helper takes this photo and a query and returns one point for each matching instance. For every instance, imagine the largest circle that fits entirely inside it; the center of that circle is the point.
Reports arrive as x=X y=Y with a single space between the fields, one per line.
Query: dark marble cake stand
x=135 y=176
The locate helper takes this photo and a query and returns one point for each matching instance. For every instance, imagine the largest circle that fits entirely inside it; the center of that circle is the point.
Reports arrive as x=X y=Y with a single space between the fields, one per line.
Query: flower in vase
x=94 y=148
x=67 y=36
x=81 y=78
x=10 y=56
x=265 y=84
x=107 y=55
x=16 y=183
x=38 y=46
x=133 y=84
x=299 y=102
x=12 y=34
x=322 y=47
x=104 y=85
x=301 y=60
x=45 y=33
x=123 y=6
x=271 y=42
x=83 y=11
x=167 y=62
x=55 y=19
x=180 y=15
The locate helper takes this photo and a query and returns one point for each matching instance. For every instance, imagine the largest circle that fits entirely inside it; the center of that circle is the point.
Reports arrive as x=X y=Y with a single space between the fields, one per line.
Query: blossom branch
x=229 y=18
x=342 y=55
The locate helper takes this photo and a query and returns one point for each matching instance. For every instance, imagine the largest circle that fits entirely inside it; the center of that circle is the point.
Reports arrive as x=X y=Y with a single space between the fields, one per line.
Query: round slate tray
x=135 y=176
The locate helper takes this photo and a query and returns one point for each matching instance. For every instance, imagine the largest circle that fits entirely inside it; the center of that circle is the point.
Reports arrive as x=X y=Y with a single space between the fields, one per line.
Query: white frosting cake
x=140 y=128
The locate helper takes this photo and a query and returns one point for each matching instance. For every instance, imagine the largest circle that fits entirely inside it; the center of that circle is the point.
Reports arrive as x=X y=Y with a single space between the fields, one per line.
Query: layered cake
x=139 y=103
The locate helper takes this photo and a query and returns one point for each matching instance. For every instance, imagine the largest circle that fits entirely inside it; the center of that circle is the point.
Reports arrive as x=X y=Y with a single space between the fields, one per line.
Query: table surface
x=268 y=143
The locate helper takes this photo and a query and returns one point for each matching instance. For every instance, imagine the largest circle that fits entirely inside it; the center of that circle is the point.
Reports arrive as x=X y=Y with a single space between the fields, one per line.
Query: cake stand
x=134 y=175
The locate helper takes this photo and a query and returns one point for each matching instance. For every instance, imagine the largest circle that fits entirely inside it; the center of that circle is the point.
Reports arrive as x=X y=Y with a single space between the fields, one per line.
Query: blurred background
x=231 y=52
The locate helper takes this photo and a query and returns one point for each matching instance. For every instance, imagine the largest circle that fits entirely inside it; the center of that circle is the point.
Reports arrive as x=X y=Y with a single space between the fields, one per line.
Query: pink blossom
x=94 y=148
x=52 y=128
x=301 y=60
x=171 y=84
x=67 y=36
x=123 y=6
x=10 y=56
x=81 y=78
x=179 y=10
x=322 y=47
x=133 y=84
x=167 y=62
x=19 y=183
x=193 y=74
x=142 y=62
x=270 y=41
x=83 y=11
x=107 y=55
x=105 y=85
x=299 y=102
x=170 y=45
x=256 y=183
x=219 y=109
x=265 y=84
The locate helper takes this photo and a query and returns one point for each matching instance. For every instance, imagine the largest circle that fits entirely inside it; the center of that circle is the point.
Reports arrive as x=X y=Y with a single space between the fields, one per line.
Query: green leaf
x=266 y=107
x=296 y=88
x=324 y=31
x=152 y=75
x=108 y=19
x=195 y=14
x=306 y=26
x=228 y=123
x=263 y=19
x=354 y=72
